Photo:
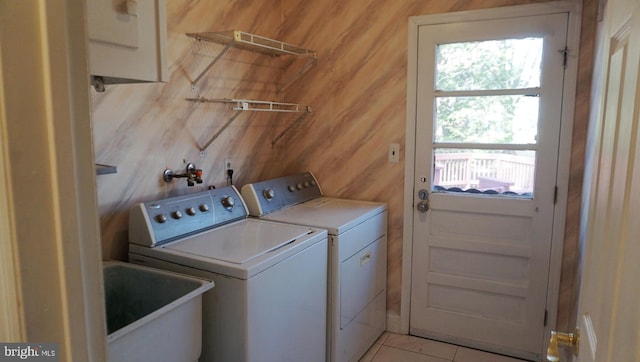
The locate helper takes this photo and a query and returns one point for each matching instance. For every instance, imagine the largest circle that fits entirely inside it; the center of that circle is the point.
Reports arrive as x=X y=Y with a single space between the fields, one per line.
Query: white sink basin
x=152 y=315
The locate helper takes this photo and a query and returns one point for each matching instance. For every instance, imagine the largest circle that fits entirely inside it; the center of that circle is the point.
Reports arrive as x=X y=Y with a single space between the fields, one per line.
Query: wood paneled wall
x=357 y=91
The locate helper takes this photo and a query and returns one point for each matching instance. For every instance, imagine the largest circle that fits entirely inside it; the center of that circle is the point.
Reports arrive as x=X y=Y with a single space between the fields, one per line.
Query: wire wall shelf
x=247 y=41
x=241 y=105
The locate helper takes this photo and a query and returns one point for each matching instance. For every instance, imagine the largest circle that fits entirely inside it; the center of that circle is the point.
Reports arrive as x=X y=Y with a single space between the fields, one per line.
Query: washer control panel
x=157 y=222
x=268 y=196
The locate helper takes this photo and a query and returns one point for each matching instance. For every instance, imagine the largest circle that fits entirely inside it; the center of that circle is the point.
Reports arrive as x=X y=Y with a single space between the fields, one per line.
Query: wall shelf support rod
x=289 y=127
x=213 y=138
x=195 y=81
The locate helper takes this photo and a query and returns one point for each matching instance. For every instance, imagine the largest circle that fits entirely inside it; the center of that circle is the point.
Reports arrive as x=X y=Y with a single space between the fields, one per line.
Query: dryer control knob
x=161 y=218
x=190 y=211
x=299 y=186
x=204 y=207
x=268 y=194
x=228 y=202
x=176 y=214
x=291 y=188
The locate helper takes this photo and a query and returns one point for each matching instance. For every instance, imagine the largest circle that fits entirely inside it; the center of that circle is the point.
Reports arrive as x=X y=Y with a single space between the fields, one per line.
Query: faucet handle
x=194 y=175
x=190 y=169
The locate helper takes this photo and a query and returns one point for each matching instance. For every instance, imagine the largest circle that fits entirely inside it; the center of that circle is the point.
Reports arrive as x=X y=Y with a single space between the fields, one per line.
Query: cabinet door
x=127 y=40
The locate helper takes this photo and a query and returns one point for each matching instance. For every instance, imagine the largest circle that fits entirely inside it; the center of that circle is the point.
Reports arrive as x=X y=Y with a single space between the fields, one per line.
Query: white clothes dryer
x=357 y=255
x=268 y=303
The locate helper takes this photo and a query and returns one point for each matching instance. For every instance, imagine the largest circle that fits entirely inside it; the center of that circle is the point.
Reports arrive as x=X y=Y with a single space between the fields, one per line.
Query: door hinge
x=555 y=195
x=545 y=318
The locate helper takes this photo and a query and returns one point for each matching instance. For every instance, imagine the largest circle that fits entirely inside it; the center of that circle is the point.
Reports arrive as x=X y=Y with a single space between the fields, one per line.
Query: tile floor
x=392 y=347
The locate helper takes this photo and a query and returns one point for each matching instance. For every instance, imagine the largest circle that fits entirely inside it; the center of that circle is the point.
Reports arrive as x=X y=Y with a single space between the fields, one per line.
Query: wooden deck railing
x=501 y=172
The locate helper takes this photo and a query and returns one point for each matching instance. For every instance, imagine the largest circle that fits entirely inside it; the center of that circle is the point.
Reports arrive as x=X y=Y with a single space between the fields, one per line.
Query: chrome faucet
x=192 y=174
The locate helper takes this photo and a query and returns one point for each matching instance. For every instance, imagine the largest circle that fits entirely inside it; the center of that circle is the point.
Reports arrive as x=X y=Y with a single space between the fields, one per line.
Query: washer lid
x=240 y=242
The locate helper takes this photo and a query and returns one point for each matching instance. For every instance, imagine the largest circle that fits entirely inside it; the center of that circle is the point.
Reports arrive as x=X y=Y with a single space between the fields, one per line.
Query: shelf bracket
x=308 y=65
x=213 y=138
x=105 y=169
x=195 y=81
x=289 y=127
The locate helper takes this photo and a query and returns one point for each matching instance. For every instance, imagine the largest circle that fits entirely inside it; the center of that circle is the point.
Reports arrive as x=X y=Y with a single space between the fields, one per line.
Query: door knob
x=423 y=206
x=562 y=339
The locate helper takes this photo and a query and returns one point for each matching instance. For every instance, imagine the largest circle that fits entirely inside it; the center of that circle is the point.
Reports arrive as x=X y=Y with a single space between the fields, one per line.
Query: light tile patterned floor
x=392 y=347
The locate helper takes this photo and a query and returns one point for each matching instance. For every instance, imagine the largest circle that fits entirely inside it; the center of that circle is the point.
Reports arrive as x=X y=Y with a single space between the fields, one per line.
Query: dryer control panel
x=271 y=195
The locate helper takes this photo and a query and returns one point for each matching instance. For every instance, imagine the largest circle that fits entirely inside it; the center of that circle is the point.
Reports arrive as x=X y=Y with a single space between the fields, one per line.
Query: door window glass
x=487 y=119
x=494 y=64
x=488 y=172
x=486 y=110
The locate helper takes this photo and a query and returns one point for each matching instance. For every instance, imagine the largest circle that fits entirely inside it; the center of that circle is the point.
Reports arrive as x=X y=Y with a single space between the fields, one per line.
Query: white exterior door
x=609 y=308
x=486 y=157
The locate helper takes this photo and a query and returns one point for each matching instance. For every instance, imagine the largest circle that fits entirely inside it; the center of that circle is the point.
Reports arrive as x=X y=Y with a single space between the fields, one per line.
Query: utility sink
x=152 y=314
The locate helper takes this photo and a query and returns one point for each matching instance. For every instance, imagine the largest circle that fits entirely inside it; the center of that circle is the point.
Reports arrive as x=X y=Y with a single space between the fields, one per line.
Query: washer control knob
x=299 y=186
x=291 y=188
x=176 y=214
x=228 y=202
x=204 y=207
x=306 y=184
x=313 y=183
x=161 y=218
x=269 y=194
x=190 y=211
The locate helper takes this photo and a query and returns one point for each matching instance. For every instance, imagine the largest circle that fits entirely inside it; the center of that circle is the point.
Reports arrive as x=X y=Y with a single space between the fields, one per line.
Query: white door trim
x=48 y=181
x=574 y=10
x=11 y=313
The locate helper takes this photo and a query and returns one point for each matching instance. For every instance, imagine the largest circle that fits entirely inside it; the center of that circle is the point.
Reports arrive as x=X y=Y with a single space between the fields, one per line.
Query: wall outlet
x=394 y=153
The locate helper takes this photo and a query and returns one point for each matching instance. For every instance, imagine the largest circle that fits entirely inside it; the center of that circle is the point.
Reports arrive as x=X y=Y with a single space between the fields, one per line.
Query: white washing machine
x=357 y=255
x=268 y=303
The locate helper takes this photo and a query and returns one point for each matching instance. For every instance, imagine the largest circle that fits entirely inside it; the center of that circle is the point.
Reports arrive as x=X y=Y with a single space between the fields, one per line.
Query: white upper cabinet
x=127 y=41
